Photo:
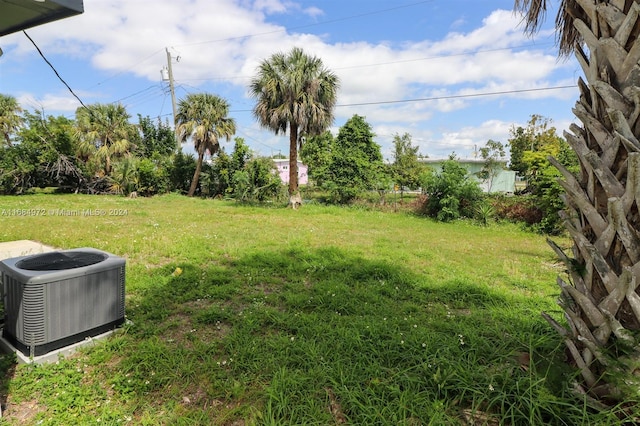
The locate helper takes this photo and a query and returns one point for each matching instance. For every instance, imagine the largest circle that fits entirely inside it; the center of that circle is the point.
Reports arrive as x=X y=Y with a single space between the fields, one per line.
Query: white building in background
x=504 y=180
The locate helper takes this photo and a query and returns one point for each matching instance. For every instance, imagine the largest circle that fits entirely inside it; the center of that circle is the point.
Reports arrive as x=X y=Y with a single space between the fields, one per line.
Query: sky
x=451 y=73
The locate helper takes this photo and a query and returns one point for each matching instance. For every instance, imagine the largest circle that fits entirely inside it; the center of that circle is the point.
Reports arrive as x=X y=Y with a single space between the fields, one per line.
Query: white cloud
x=223 y=42
x=50 y=102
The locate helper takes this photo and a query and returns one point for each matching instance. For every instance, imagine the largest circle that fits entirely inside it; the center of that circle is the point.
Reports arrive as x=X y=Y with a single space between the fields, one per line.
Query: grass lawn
x=245 y=315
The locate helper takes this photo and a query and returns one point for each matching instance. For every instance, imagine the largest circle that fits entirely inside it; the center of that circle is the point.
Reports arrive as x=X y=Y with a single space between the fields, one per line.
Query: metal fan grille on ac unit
x=58 y=261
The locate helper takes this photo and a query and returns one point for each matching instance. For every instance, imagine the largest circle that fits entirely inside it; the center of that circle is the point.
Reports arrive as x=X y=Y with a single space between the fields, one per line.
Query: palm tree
x=10 y=118
x=600 y=297
x=203 y=118
x=104 y=131
x=294 y=90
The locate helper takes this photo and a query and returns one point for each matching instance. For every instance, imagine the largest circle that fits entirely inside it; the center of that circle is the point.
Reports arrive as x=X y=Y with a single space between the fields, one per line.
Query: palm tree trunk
x=294 y=195
x=107 y=165
x=599 y=296
x=196 y=175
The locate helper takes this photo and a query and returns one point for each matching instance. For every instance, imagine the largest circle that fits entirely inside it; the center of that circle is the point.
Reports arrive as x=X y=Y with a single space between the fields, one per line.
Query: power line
x=473 y=95
x=54 y=70
x=126 y=69
x=437 y=98
x=136 y=93
x=426 y=58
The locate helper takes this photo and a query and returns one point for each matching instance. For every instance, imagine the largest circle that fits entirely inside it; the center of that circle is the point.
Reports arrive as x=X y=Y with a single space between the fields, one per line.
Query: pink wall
x=283 y=170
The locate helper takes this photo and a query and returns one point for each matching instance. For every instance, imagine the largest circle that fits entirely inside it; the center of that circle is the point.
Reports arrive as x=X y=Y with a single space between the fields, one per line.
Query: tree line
x=101 y=151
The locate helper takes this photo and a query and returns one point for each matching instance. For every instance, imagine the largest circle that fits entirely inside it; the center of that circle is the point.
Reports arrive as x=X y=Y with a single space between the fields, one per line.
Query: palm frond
x=534 y=14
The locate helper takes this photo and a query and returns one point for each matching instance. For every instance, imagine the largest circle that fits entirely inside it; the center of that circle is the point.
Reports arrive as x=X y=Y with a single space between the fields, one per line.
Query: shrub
x=520 y=208
x=182 y=169
x=257 y=181
x=153 y=176
x=450 y=194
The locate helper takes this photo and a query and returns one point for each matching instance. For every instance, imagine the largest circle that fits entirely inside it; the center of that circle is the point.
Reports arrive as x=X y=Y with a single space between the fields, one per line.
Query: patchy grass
x=247 y=315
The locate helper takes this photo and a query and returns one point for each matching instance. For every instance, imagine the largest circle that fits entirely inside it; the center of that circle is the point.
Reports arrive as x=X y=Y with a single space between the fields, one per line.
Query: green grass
x=325 y=315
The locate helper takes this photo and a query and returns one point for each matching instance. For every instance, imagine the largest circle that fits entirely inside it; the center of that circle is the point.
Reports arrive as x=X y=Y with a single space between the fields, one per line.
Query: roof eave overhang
x=17 y=15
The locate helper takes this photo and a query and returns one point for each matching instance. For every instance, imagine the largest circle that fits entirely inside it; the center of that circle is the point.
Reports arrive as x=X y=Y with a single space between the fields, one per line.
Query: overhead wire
x=285 y=29
x=437 y=98
x=54 y=70
x=470 y=95
x=426 y=58
x=317 y=24
x=142 y=97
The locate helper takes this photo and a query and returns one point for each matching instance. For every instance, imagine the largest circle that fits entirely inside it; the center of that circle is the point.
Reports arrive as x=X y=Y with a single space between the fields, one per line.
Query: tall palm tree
x=294 y=90
x=104 y=131
x=600 y=297
x=10 y=118
x=203 y=118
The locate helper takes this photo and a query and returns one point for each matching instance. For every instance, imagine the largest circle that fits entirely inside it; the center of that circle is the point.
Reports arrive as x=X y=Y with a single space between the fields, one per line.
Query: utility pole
x=173 y=93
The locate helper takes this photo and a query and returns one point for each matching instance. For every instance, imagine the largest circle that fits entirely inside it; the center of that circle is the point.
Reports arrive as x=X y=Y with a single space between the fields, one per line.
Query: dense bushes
x=450 y=193
x=521 y=208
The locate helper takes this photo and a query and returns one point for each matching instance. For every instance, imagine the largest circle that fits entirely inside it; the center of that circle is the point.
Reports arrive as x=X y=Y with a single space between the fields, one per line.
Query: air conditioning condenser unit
x=56 y=299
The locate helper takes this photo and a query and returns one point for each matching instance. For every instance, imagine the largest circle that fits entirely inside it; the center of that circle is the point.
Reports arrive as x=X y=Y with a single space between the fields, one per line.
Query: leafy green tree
x=406 y=168
x=535 y=137
x=202 y=117
x=181 y=172
x=51 y=140
x=217 y=181
x=492 y=154
x=534 y=145
x=10 y=117
x=294 y=90
x=42 y=156
x=155 y=137
x=316 y=154
x=240 y=156
x=154 y=175
x=18 y=168
x=258 y=181
x=104 y=131
x=451 y=193
x=356 y=162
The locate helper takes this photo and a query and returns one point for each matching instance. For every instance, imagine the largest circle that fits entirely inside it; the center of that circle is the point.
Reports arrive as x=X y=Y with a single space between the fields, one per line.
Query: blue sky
x=452 y=73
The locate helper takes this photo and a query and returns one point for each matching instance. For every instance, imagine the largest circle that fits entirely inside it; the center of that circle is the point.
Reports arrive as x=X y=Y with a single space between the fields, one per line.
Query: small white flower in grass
x=461 y=339
x=384 y=319
x=491 y=388
x=293 y=338
x=415 y=325
x=424 y=345
x=402 y=342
